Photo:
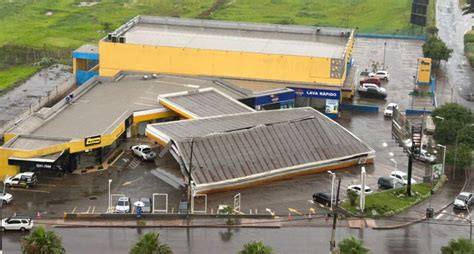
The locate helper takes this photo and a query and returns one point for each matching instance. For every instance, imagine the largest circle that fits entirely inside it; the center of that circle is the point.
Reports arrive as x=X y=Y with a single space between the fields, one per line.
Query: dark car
x=374 y=80
x=323 y=198
x=386 y=182
x=147 y=207
x=373 y=93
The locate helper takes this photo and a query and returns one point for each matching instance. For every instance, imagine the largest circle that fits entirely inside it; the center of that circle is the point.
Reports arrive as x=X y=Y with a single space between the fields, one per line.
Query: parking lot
x=134 y=178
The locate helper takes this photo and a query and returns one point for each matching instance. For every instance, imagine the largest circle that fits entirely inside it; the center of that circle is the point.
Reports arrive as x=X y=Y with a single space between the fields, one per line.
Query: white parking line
x=29 y=190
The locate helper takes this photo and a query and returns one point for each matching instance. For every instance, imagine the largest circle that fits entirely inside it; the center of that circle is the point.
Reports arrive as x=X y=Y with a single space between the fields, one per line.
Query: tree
x=40 y=241
x=352 y=246
x=149 y=243
x=436 y=49
x=352 y=195
x=459 y=246
x=256 y=247
x=450 y=119
x=452 y=111
x=432 y=30
x=447 y=131
x=462 y=155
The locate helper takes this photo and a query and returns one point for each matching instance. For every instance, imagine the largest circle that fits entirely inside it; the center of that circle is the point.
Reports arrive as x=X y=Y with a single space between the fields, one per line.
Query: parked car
x=386 y=183
x=463 y=200
x=6 y=198
x=401 y=177
x=323 y=198
x=425 y=156
x=357 y=189
x=21 y=223
x=147 y=207
x=123 y=205
x=373 y=93
x=380 y=74
x=25 y=179
x=373 y=80
x=389 y=109
x=144 y=152
x=365 y=86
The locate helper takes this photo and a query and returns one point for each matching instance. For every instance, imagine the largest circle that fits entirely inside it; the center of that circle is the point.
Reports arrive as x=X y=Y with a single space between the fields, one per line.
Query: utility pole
x=190 y=195
x=332 y=243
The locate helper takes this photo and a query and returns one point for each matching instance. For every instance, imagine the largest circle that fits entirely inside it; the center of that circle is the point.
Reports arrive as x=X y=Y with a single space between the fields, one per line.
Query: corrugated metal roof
x=232 y=147
x=220 y=124
x=204 y=103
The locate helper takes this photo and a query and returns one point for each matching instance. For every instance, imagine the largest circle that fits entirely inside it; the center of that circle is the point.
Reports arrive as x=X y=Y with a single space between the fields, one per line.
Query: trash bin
x=429 y=212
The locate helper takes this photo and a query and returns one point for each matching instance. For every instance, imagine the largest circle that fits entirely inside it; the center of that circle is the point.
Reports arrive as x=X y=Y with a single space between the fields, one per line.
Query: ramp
x=168 y=178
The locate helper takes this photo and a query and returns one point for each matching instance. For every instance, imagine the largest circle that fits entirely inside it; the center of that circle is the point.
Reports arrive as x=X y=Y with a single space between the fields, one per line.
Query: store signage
x=317 y=93
x=49 y=166
x=95 y=140
x=274 y=98
x=332 y=106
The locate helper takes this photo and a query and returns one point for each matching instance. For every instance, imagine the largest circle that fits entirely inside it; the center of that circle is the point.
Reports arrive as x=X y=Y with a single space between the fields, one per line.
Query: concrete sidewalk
x=178 y=223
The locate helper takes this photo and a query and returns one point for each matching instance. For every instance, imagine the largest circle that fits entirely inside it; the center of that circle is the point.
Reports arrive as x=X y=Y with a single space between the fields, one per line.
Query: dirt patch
x=218 y=4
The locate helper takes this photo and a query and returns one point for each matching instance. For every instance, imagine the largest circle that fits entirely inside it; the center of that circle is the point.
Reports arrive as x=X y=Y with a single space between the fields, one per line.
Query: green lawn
x=391 y=201
x=25 y=22
x=370 y=16
x=15 y=74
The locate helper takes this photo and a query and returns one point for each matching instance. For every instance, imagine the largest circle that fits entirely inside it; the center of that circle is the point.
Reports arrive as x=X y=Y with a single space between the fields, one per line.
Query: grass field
x=370 y=16
x=15 y=74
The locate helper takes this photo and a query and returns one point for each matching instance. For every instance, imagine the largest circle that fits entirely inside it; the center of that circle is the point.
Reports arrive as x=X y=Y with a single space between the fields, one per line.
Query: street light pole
x=332 y=186
x=444 y=157
x=189 y=177
x=470 y=223
x=110 y=198
x=332 y=243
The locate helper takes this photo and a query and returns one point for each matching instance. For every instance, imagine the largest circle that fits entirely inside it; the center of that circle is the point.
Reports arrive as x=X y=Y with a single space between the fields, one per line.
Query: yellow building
x=297 y=56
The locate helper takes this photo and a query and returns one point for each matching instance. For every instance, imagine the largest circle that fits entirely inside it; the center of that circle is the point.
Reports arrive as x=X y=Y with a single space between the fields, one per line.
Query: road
x=416 y=239
x=452 y=27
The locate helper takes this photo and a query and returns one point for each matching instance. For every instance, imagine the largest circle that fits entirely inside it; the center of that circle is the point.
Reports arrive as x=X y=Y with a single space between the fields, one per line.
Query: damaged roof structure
x=239 y=150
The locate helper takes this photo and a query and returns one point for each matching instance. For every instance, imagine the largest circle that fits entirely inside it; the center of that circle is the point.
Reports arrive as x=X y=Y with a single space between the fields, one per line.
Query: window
x=13 y=222
x=24 y=221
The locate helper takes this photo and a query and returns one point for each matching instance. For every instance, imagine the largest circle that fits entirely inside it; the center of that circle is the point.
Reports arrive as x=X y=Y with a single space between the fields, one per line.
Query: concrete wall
x=116 y=57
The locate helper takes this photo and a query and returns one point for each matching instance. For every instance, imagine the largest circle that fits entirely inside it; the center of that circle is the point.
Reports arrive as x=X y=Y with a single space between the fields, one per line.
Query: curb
x=163 y=226
x=423 y=218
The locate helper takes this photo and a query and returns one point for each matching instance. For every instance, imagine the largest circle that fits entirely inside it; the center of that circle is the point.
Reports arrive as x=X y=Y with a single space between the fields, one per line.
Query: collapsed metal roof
x=239 y=149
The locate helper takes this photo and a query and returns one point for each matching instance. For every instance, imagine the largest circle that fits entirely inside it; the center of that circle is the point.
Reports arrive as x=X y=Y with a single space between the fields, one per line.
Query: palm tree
x=352 y=246
x=459 y=246
x=149 y=243
x=40 y=241
x=255 y=247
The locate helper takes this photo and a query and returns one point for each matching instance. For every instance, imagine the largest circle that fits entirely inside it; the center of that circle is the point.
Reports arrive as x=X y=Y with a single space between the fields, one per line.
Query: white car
x=144 y=152
x=17 y=223
x=25 y=179
x=357 y=189
x=389 y=109
x=426 y=156
x=380 y=74
x=123 y=205
x=6 y=198
x=401 y=177
x=463 y=200
x=366 y=86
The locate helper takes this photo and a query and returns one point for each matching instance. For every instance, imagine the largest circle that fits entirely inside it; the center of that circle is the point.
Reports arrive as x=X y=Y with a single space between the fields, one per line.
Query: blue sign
x=317 y=93
x=274 y=98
